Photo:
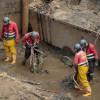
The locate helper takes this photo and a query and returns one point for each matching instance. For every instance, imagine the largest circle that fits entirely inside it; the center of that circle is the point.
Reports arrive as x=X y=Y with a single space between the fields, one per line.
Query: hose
x=97 y=37
x=73 y=77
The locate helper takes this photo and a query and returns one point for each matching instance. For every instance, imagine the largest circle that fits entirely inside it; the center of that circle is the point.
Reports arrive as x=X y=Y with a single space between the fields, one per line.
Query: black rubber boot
x=90 y=77
x=24 y=62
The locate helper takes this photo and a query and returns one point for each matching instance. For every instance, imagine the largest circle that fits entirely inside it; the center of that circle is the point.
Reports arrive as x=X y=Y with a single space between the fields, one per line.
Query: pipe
x=25 y=16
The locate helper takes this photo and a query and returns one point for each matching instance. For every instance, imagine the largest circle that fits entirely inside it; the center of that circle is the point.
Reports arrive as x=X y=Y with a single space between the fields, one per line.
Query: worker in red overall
x=92 y=56
x=81 y=66
x=10 y=37
x=30 y=39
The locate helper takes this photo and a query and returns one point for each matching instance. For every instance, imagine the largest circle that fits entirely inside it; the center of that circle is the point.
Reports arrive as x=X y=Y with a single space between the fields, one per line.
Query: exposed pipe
x=25 y=16
x=47 y=1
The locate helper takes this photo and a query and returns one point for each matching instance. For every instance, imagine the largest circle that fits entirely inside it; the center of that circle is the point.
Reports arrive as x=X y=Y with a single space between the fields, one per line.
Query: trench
x=53 y=80
x=61 y=37
x=58 y=39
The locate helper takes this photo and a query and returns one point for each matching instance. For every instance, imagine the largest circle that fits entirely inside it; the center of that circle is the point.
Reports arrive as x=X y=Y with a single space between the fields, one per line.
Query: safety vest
x=90 y=56
x=91 y=52
x=81 y=59
x=10 y=35
x=83 y=63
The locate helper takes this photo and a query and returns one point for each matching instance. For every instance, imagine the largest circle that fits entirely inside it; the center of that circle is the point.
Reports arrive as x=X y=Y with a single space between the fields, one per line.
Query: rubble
x=78 y=15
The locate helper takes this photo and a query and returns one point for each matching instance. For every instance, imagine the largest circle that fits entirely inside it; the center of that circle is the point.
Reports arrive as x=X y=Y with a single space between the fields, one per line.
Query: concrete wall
x=61 y=34
x=10 y=8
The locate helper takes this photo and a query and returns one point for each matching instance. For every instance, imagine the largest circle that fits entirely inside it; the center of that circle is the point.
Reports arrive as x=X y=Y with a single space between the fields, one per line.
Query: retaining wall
x=59 y=33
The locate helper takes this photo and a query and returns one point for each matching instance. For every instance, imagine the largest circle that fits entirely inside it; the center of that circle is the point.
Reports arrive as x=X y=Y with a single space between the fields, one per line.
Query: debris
x=31 y=82
x=78 y=15
x=3 y=74
x=21 y=90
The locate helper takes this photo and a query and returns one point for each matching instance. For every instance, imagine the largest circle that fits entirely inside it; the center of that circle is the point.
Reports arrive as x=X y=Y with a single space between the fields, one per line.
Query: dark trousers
x=28 y=53
x=28 y=50
x=91 y=70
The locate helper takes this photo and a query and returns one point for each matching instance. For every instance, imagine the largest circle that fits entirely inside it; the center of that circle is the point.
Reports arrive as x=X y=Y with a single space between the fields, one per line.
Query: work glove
x=24 y=47
x=16 y=41
x=27 y=45
x=96 y=63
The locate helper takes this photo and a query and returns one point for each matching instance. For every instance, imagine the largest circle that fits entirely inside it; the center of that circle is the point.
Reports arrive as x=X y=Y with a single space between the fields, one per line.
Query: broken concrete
x=63 y=25
x=79 y=15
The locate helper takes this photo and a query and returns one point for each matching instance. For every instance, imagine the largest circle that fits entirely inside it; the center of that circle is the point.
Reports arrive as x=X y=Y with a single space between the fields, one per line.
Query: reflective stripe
x=90 y=56
x=9 y=35
x=83 y=63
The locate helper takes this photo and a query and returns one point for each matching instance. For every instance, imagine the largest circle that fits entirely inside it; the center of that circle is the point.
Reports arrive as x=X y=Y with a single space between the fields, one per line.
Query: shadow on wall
x=67 y=51
x=99 y=63
x=30 y=28
x=47 y=1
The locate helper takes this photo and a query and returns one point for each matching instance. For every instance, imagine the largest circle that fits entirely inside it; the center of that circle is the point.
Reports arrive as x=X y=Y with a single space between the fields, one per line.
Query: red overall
x=92 y=56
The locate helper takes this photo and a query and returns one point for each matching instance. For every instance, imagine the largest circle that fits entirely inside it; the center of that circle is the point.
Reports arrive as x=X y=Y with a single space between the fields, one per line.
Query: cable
x=97 y=37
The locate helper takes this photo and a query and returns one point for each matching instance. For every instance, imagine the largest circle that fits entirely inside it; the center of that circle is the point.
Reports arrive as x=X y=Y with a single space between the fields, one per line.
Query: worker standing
x=81 y=64
x=92 y=56
x=10 y=37
x=29 y=40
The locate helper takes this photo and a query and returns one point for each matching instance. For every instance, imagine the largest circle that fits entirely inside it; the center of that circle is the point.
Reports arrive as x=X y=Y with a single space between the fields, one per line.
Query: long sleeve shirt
x=91 y=52
x=31 y=40
x=10 y=30
x=80 y=58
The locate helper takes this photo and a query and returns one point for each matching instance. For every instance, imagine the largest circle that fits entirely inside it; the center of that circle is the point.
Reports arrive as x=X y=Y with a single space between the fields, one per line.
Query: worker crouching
x=81 y=64
x=10 y=37
x=29 y=40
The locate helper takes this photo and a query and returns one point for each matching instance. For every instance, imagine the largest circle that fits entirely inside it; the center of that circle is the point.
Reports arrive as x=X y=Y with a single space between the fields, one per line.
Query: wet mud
x=53 y=80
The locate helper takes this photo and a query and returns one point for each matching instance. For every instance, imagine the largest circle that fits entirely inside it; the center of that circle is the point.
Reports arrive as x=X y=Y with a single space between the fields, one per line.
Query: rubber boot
x=88 y=92
x=24 y=62
x=8 y=57
x=13 y=59
x=91 y=77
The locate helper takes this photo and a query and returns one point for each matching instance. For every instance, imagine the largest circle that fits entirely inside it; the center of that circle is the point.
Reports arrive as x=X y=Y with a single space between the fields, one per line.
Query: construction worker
x=10 y=37
x=81 y=64
x=92 y=56
x=30 y=39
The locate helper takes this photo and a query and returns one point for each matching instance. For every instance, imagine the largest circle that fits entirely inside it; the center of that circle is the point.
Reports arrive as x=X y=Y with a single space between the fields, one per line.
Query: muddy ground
x=51 y=81
x=13 y=90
